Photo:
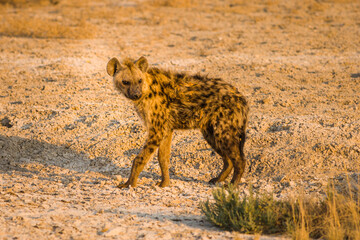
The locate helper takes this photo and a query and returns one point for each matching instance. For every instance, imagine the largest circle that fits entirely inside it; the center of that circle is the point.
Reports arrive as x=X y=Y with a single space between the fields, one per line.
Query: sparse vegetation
x=335 y=217
x=32 y=23
x=172 y=3
x=252 y=214
x=19 y=3
x=27 y=26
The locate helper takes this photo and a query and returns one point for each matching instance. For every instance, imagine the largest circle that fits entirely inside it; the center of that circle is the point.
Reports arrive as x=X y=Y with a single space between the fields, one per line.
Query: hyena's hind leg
x=229 y=144
x=237 y=156
x=209 y=136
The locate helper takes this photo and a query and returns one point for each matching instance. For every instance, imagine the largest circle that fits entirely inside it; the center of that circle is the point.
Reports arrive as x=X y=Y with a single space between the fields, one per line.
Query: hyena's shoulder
x=161 y=78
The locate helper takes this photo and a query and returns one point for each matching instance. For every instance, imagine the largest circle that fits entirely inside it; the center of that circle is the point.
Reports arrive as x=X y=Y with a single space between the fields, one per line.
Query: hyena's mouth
x=133 y=94
x=135 y=97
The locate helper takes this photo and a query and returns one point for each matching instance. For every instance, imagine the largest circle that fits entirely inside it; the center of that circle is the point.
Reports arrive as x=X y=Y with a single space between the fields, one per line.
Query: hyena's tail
x=242 y=143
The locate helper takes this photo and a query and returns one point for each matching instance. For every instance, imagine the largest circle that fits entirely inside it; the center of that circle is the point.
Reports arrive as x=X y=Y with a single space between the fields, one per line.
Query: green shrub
x=252 y=214
x=337 y=216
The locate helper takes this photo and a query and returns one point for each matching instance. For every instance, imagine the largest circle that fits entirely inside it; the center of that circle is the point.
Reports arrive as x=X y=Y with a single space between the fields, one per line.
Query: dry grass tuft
x=342 y=220
x=335 y=217
x=27 y=26
x=26 y=3
x=172 y=3
x=37 y=19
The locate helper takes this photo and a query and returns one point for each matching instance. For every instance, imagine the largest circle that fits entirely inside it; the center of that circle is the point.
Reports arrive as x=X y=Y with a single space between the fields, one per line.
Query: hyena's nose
x=134 y=95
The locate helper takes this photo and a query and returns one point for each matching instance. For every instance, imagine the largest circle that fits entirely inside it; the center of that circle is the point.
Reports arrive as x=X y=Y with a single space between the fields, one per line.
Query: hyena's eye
x=124 y=82
x=140 y=81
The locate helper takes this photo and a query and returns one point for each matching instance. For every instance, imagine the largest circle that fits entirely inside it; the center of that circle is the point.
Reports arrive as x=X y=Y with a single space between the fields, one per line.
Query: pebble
x=6 y=122
x=114 y=231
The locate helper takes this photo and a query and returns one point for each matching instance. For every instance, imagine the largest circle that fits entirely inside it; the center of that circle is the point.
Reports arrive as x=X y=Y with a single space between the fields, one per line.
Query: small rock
x=16 y=102
x=26 y=126
x=113 y=232
x=49 y=80
x=268 y=188
x=24 y=160
x=118 y=178
x=355 y=75
x=70 y=126
x=292 y=183
x=6 y=122
x=265 y=100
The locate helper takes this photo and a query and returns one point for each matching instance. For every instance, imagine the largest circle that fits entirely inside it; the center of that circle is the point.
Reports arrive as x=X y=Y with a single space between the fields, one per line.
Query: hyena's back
x=196 y=101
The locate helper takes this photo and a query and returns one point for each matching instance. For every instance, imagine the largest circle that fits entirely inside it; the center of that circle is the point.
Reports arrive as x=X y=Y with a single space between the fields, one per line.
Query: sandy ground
x=67 y=138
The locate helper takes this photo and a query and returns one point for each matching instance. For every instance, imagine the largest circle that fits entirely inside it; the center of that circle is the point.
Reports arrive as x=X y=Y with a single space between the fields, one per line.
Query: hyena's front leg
x=164 y=159
x=140 y=161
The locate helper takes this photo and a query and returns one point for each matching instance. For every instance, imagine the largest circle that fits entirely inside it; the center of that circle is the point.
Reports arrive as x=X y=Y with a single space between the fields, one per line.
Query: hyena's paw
x=125 y=185
x=163 y=184
x=214 y=181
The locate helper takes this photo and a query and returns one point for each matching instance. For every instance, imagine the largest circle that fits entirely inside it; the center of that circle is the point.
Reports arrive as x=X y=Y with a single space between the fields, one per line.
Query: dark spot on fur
x=244 y=122
x=153 y=143
x=180 y=75
x=226 y=98
x=167 y=74
x=154 y=71
x=199 y=77
x=210 y=129
x=167 y=85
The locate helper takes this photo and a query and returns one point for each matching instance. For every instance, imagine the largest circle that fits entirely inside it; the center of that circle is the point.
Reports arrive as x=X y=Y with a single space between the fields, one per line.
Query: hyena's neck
x=153 y=95
x=141 y=105
x=141 y=111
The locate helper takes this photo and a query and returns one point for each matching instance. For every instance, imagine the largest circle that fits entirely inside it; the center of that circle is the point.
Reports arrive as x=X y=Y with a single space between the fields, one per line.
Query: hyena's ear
x=113 y=66
x=142 y=64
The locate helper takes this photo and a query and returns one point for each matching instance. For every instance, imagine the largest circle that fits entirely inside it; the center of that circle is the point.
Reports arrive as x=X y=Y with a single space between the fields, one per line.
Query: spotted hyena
x=166 y=101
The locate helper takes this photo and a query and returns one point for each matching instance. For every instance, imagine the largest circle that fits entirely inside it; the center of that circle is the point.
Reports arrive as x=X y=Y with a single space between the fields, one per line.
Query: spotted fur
x=166 y=101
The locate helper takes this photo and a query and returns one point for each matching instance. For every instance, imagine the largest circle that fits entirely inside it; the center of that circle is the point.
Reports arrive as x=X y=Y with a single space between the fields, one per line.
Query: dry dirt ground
x=67 y=138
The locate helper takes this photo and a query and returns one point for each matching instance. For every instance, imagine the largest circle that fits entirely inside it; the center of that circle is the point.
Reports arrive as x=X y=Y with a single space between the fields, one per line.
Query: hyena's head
x=129 y=77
